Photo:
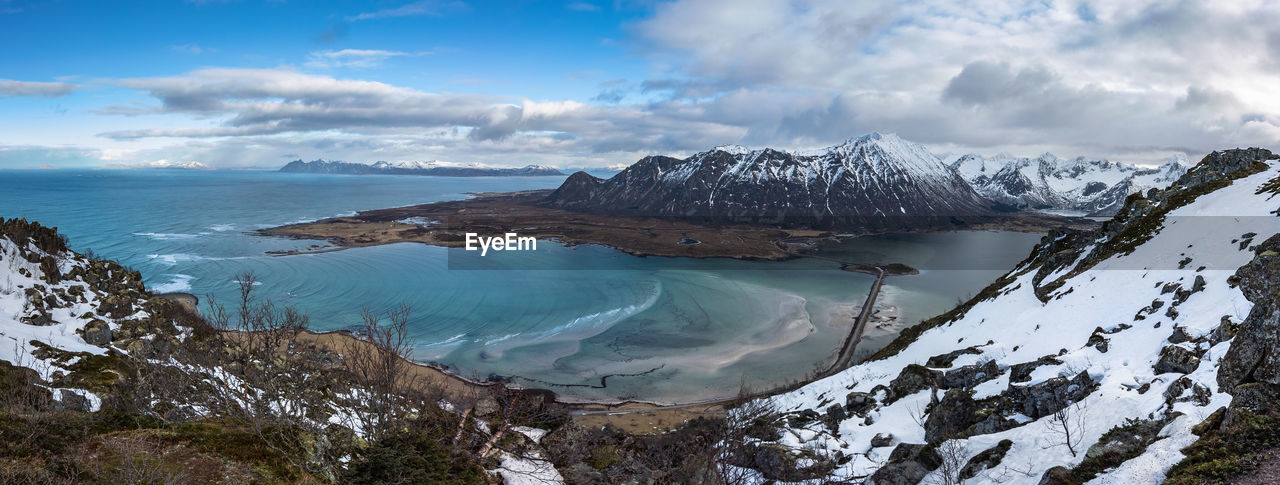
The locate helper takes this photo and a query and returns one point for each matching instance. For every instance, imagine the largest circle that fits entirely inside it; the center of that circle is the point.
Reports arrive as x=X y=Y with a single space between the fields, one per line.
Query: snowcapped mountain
x=1092 y=187
x=434 y=167
x=872 y=180
x=1100 y=358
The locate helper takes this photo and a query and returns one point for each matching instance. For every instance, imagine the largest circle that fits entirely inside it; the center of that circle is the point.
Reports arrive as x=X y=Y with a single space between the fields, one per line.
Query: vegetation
x=1225 y=454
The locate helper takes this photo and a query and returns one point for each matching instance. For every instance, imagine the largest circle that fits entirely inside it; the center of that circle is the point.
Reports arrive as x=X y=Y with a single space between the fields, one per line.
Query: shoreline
x=445 y=223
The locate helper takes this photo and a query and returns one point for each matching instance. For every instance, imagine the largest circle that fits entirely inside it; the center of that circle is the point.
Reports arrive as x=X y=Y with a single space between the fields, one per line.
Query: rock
x=1198 y=285
x=993 y=424
x=1199 y=393
x=859 y=403
x=1255 y=351
x=908 y=464
x=1226 y=330
x=1177 y=359
x=952 y=416
x=970 y=375
x=803 y=418
x=881 y=440
x=1097 y=341
x=1058 y=475
x=1022 y=372
x=73 y=401
x=914 y=378
x=832 y=419
x=986 y=460
x=946 y=359
x=1179 y=335
x=97 y=332
x=1045 y=398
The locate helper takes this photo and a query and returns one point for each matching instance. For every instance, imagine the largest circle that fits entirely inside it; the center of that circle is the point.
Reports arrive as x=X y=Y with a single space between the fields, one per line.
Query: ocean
x=662 y=329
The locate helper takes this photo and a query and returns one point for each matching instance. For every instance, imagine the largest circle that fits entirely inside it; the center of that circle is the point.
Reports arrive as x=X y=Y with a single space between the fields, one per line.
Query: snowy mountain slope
x=1125 y=328
x=874 y=179
x=1094 y=187
x=51 y=297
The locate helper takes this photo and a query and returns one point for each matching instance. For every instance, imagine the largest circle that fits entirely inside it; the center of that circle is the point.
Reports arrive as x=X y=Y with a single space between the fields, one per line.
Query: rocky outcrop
x=1050 y=396
x=986 y=460
x=913 y=378
x=1176 y=358
x=908 y=464
x=1255 y=351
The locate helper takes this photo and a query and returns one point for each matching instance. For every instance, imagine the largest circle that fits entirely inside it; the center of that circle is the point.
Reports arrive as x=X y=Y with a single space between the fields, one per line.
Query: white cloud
x=9 y=87
x=412 y=9
x=194 y=49
x=353 y=57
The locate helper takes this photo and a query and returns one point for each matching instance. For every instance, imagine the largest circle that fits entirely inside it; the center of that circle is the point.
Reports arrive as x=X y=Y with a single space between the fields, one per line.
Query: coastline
x=444 y=224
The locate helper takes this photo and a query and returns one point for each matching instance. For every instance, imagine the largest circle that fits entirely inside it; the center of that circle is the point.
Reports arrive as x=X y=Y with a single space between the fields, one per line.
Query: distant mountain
x=162 y=164
x=869 y=181
x=436 y=168
x=1091 y=187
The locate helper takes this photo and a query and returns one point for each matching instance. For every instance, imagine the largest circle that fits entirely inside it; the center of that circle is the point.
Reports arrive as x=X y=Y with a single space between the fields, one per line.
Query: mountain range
x=436 y=168
x=1079 y=185
x=872 y=179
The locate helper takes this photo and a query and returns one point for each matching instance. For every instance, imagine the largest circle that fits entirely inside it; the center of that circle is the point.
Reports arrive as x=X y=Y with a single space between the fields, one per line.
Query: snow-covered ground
x=1018 y=327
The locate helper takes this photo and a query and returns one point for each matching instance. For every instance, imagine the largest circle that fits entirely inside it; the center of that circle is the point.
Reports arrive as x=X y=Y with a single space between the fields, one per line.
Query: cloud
x=9 y=87
x=32 y=156
x=193 y=49
x=353 y=57
x=412 y=9
x=582 y=7
x=1108 y=79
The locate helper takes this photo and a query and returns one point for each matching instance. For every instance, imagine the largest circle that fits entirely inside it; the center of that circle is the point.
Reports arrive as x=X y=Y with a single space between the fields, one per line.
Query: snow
x=527 y=471
x=1062 y=184
x=1025 y=329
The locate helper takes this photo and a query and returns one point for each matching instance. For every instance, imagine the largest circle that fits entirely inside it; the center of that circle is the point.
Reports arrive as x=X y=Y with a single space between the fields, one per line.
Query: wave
x=222 y=227
x=172 y=259
x=169 y=236
x=177 y=283
x=579 y=328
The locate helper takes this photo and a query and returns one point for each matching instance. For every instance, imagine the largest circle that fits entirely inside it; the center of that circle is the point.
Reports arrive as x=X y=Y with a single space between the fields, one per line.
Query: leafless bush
x=953 y=455
x=1066 y=426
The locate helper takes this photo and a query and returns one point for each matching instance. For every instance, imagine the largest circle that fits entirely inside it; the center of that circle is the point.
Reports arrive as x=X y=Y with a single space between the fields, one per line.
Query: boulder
x=97 y=332
x=952 y=416
x=1050 y=396
x=1058 y=475
x=1022 y=372
x=881 y=440
x=986 y=460
x=914 y=378
x=970 y=375
x=73 y=401
x=859 y=403
x=908 y=464
x=1175 y=358
x=945 y=360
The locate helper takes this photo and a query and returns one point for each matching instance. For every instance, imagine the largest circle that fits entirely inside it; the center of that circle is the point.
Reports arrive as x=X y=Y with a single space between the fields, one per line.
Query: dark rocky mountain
x=415 y=168
x=873 y=181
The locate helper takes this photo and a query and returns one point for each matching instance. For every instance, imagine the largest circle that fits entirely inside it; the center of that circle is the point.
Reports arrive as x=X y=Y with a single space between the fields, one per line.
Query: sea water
x=655 y=329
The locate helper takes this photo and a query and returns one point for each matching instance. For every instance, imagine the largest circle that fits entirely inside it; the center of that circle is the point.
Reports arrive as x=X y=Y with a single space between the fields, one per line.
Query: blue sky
x=242 y=83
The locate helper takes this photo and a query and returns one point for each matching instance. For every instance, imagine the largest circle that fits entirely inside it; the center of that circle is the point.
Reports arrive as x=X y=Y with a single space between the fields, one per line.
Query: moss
x=1224 y=455
x=603 y=457
x=97 y=373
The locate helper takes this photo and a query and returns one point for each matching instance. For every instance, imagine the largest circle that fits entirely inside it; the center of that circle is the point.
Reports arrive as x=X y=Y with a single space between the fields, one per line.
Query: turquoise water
x=665 y=329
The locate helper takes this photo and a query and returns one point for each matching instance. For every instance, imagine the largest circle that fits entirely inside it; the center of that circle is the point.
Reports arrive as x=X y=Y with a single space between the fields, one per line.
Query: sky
x=594 y=83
